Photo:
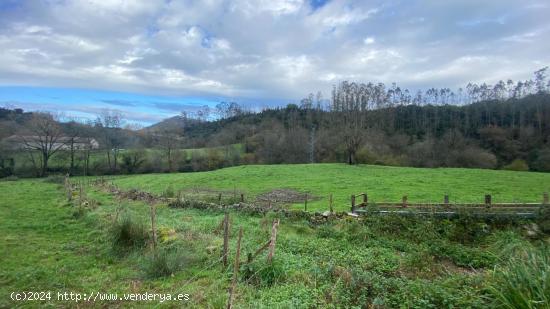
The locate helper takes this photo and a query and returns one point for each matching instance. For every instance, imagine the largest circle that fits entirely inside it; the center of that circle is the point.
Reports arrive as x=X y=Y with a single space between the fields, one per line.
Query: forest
x=501 y=126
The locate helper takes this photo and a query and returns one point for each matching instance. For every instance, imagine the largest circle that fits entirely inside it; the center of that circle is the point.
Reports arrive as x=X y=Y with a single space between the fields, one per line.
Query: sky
x=152 y=59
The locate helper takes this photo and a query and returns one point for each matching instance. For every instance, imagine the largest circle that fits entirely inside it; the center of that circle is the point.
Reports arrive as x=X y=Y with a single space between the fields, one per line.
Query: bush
x=517 y=165
x=57 y=179
x=524 y=280
x=79 y=211
x=128 y=233
x=169 y=192
x=364 y=156
x=328 y=231
x=542 y=162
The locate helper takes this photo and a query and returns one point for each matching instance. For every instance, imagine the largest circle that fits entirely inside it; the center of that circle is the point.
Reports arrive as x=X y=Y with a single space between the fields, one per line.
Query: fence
x=446 y=208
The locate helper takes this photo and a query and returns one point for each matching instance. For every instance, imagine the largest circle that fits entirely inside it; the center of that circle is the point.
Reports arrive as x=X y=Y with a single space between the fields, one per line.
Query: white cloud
x=267 y=49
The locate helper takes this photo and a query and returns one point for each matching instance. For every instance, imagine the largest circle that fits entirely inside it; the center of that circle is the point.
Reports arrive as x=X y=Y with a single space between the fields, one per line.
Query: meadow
x=380 y=261
x=382 y=183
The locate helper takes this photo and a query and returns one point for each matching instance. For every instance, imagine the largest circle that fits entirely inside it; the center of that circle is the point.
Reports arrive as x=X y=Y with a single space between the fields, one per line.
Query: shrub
x=524 y=280
x=517 y=165
x=169 y=192
x=79 y=211
x=127 y=233
x=328 y=231
x=57 y=179
x=542 y=162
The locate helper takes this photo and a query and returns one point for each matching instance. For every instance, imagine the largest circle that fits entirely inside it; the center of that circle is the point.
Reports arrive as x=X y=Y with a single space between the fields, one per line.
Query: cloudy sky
x=152 y=59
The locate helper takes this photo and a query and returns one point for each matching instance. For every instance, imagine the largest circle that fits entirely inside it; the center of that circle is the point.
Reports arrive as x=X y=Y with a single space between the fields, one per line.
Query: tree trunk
x=109 y=159
x=44 y=164
x=71 y=169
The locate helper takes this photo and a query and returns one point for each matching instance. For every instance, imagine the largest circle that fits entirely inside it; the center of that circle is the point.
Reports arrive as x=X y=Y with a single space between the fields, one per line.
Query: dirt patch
x=451 y=268
x=280 y=197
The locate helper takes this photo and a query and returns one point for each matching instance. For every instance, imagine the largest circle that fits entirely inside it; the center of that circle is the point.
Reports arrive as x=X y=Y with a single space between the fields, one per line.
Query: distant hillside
x=513 y=133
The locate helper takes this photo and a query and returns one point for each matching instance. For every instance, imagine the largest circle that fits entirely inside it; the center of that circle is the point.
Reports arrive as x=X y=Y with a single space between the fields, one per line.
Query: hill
x=512 y=133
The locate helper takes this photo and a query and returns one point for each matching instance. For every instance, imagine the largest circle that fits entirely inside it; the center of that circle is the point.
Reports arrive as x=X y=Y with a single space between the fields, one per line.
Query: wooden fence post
x=446 y=199
x=305 y=203
x=353 y=203
x=68 y=189
x=273 y=240
x=365 y=199
x=153 y=226
x=488 y=200
x=235 y=271
x=80 y=194
x=219 y=199
x=545 y=199
x=330 y=203
x=225 y=239
x=404 y=204
x=242 y=198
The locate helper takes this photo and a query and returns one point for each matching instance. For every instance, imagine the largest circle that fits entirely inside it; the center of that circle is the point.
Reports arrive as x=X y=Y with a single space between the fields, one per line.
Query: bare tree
x=45 y=138
x=109 y=123
x=169 y=140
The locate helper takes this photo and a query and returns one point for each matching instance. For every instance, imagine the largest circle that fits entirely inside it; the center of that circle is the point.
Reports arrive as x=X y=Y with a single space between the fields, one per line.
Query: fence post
x=273 y=240
x=242 y=198
x=353 y=203
x=488 y=200
x=225 y=238
x=235 y=271
x=153 y=226
x=68 y=188
x=330 y=203
x=404 y=201
x=81 y=194
x=545 y=199
x=446 y=200
x=219 y=199
x=365 y=199
x=305 y=203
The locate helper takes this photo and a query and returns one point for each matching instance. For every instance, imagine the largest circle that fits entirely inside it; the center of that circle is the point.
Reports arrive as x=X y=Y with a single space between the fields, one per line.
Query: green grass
x=382 y=183
x=387 y=260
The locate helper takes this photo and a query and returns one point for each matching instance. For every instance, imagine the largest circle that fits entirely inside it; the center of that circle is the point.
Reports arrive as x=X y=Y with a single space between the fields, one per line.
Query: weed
x=264 y=275
x=524 y=280
x=165 y=262
x=128 y=233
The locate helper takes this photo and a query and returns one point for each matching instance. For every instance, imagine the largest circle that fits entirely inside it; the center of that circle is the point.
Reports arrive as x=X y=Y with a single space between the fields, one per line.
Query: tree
x=73 y=131
x=540 y=78
x=45 y=138
x=169 y=140
x=108 y=124
x=350 y=102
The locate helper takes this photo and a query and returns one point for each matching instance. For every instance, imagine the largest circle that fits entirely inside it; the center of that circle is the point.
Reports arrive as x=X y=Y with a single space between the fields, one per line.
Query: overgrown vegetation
x=127 y=233
x=523 y=279
x=387 y=261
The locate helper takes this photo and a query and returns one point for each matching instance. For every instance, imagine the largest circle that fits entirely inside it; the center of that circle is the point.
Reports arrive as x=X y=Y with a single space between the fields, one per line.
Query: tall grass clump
x=128 y=233
x=524 y=280
x=165 y=262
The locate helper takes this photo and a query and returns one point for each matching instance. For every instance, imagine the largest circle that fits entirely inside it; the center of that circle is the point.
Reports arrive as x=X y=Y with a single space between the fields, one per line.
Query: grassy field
x=382 y=183
x=48 y=244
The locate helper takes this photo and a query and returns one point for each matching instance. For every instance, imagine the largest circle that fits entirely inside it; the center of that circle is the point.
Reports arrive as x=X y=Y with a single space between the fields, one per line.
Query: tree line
x=488 y=126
